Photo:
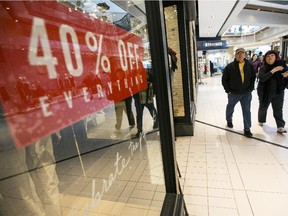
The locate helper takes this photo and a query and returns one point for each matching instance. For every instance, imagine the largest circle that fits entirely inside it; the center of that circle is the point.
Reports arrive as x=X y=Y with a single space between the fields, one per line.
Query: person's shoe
x=229 y=124
x=281 y=130
x=117 y=131
x=260 y=123
x=138 y=134
x=248 y=133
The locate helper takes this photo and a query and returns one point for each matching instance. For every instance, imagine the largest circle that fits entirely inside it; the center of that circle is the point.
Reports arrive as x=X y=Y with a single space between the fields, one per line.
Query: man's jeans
x=245 y=101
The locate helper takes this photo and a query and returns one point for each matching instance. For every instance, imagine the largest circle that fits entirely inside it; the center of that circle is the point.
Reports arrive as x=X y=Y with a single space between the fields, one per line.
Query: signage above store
x=59 y=65
x=211 y=45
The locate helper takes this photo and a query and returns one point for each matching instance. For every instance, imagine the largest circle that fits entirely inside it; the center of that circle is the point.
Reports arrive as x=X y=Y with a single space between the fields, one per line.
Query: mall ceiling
x=215 y=17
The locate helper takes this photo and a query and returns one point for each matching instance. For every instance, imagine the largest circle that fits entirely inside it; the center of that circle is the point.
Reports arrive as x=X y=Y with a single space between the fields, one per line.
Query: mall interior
x=117 y=108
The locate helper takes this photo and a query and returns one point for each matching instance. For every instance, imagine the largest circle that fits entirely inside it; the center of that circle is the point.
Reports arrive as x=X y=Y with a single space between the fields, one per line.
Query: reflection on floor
x=121 y=182
x=124 y=179
x=227 y=174
x=104 y=126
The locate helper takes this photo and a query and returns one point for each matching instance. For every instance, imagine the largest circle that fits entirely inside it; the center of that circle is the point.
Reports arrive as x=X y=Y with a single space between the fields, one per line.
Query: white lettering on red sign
x=63 y=69
x=132 y=55
x=39 y=34
x=64 y=32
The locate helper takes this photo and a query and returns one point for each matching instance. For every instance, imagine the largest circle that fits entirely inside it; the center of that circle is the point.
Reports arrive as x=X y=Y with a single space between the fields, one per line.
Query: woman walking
x=273 y=78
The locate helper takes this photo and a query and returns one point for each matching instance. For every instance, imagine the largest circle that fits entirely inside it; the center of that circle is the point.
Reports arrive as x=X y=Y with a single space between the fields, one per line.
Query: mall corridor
x=223 y=172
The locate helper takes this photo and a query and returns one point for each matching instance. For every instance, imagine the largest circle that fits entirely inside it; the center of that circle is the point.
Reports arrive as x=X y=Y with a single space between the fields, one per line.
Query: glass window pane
x=79 y=125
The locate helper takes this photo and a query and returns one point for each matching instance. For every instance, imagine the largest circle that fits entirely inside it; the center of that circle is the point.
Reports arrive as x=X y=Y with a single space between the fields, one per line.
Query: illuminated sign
x=59 y=65
x=210 y=45
x=213 y=44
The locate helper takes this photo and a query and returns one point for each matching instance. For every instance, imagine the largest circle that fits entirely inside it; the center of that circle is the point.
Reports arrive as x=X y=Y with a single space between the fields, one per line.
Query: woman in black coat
x=273 y=78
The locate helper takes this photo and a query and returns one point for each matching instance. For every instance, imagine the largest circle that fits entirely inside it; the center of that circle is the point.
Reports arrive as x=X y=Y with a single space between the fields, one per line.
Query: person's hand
x=285 y=74
x=276 y=69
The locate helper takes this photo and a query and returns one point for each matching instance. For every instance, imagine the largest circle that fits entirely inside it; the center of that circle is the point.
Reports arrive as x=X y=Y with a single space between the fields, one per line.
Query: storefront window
x=79 y=125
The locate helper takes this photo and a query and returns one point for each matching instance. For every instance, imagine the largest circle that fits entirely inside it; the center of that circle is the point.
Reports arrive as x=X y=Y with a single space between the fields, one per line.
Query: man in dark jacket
x=238 y=82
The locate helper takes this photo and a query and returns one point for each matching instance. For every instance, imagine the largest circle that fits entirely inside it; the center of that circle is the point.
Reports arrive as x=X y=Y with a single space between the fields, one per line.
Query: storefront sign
x=210 y=45
x=59 y=65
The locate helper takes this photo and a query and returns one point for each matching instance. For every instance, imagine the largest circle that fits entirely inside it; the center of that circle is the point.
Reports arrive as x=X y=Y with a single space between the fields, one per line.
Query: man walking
x=238 y=82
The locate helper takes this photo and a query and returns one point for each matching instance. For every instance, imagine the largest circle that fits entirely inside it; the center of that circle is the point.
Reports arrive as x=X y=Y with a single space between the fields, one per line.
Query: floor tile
x=268 y=204
x=239 y=176
x=269 y=178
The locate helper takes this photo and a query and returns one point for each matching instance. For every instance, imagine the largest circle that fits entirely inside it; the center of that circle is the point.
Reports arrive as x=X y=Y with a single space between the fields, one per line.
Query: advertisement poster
x=59 y=65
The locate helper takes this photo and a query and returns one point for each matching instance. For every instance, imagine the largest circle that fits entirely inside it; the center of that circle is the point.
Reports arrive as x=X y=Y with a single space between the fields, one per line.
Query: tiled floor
x=225 y=173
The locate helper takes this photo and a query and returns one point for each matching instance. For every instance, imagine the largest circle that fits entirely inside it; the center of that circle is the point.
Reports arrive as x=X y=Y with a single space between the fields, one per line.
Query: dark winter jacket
x=271 y=84
x=231 y=78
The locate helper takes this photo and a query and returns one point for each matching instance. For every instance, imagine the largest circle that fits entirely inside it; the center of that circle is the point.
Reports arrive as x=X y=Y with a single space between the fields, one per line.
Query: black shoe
x=281 y=130
x=248 y=133
x=229 y=124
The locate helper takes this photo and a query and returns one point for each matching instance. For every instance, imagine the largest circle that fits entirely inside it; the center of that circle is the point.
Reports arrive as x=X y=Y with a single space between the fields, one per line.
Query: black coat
x=231 y=78
x=271 y=84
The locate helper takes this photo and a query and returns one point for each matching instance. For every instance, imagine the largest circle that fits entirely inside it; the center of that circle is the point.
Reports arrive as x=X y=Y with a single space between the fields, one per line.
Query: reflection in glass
x=174 y=59
x=75 y=138
x=31 y=193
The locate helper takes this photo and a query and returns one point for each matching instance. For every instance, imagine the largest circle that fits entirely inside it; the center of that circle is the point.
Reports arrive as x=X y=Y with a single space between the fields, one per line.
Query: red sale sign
x=59 y=65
